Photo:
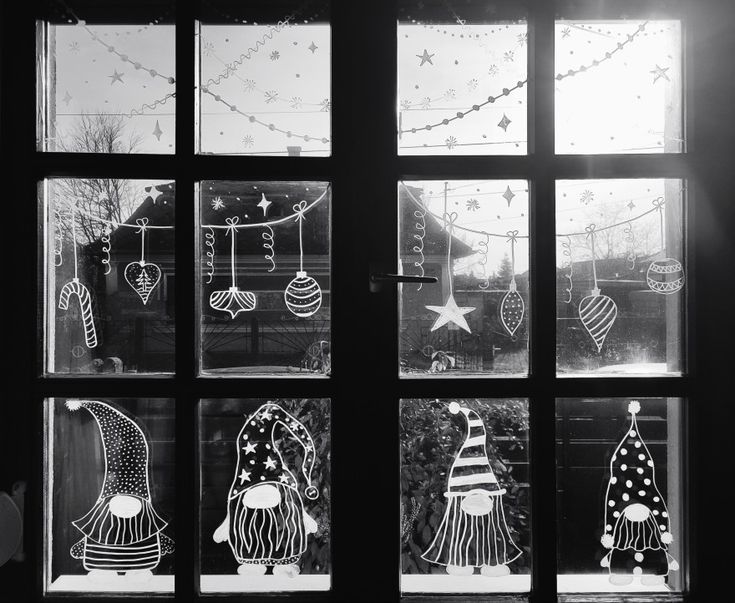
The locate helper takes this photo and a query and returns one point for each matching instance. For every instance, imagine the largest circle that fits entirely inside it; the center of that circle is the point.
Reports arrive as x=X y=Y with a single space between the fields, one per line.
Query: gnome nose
x=125 y=506
x=477 y=503
x=637 y=512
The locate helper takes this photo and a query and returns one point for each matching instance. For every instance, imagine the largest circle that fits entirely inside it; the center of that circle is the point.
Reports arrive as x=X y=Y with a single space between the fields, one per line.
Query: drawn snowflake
x=249 y=85
x=566 y=32
x=217 y=203
x=451 y=142
x=425 y=102
x=472 y=84
x=271 y=96
x=248 y=141
x=587 y=197
x=509 y=56
x=522 y=39
x=296 y=102
x=450 y=94
x=74 y=46
x=326 y=105
x=405 y=105
x=493 y=70
x=473 y=204
x=275 y=55
x=208 y=49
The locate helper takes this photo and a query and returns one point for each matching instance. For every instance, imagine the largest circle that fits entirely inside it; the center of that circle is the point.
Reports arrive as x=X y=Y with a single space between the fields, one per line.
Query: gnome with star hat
x=637 y=527
x=122 y=531
x=473 y=533
x=266 y=524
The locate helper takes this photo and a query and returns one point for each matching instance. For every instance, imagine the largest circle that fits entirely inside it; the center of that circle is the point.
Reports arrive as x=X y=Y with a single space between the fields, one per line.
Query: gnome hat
x=126 y=474
x=635 y=512
x=471 y=470
x=259 y=460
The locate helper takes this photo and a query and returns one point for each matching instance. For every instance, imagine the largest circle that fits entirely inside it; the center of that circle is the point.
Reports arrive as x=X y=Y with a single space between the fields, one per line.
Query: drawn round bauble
x=303 y=296
x=665 y=276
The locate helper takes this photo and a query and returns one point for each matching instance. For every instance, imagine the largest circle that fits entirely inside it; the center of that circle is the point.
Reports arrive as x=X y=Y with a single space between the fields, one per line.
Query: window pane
x=265 y=495
x=465 y=524
x=110 y=497
x=619 y=87
x=462 y=81
x=473 y=237
x=620 y=470
x=110 y=288
x=265 y=279
x=107 y=88
x=265 y=79
x=620 y=277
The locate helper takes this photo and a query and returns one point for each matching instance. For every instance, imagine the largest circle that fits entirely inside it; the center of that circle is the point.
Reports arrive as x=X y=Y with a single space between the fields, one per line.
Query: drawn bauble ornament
x=233 y=301
x=303 y=296
x=665 y=276
x=512 y=309
x=597 y=313
x=143 y=278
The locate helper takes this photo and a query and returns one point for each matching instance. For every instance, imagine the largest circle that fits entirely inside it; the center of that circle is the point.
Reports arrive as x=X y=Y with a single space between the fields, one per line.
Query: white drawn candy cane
x=74 y=287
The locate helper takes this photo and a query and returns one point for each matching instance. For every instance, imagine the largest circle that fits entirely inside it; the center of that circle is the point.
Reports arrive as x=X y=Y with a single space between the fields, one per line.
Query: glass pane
x=108 y=87
x=265 y=278
x=461 y=81
x=473 y=237
x=265 y=495
x=110 y=288
x=265 y=79
x=619 y=87
x=109 y=496
x=620 y=277
x=465 y=498
x=620 y=469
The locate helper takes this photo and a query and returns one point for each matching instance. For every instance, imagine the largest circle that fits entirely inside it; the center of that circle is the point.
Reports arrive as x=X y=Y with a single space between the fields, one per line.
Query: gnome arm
x=167 y=545
x=222 y=533
x=605 y=561
x=77 y=549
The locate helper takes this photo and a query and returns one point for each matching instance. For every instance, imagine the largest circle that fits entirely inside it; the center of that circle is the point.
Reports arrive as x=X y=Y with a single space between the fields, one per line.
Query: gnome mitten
x=310 y=524
x=167 y=545
x=222 y=533
x=77 y=549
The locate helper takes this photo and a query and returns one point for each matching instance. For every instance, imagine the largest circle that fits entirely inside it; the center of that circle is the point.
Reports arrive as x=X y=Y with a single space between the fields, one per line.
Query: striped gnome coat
x=266 y=524
x=473 y=533
x=122 y=531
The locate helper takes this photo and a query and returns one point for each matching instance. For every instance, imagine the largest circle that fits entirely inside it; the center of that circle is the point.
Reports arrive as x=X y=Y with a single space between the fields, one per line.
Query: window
x=358 y=302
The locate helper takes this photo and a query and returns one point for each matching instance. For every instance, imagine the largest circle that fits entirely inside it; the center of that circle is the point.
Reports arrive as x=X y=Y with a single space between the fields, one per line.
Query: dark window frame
x=364 y=151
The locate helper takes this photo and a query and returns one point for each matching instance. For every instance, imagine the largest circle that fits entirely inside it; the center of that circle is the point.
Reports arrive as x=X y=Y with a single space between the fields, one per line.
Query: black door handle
x=378 y=279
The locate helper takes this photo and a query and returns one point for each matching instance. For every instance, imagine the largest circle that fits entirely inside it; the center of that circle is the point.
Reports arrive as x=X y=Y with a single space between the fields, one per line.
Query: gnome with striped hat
x=266 y=524
x=473 y=533
x=122 y=532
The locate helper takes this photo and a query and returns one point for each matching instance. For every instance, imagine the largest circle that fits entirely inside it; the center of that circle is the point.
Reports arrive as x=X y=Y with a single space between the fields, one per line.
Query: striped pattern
x=598 y=313
x=471 y=468
x=467 y=540
x=101 y=526
x=143 y=555
x=233 y=301
x=270 y=536
x=74 y=287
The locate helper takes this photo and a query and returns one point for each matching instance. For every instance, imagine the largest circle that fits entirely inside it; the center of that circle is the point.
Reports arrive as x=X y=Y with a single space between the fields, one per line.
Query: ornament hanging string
x=590 y=230
x=512 y=238
x=74 y=240
x=658 y=205
x=115 y=223
x=299 y=210
x=449 y=220
x=232 y=231
x=143 y=224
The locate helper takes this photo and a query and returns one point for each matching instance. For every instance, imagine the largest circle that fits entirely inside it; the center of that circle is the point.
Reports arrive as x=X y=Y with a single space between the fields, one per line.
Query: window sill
x=233 y=583
x=67 y=583
x=438 y=583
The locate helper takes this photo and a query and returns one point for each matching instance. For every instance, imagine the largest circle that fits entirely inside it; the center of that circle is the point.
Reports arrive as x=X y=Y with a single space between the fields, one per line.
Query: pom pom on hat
x=454 y=408
x=73 y=405
x=634 y=407
x=607 y=541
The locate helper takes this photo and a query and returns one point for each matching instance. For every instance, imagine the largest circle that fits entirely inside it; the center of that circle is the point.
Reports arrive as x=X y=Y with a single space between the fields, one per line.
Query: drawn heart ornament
x=143 y=278
x=597 y=313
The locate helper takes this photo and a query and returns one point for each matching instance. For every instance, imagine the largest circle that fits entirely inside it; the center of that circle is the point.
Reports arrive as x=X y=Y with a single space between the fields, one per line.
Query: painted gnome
x=122 y=531
x=637 y=529
x=266 y=524
x=473 y=533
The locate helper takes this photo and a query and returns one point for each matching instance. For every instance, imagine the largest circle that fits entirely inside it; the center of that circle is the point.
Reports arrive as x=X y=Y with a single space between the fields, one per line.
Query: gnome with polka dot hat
x=122 y=532
x=266 y=524
x=637 y=527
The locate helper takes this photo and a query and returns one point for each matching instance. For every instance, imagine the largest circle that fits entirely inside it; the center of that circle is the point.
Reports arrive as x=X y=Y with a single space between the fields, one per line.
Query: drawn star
x=74 y=46
x=508 y=195
x=631 y=206
x=450 y=312
x=269 y=463
x=67 y=98
x=266 y=416
x=313 y=47
x=116 y=77
x=660 y=72
x=244 y=476
x=425 y=58
x=566 y=32
x=250 y=448
x=283 y=478
x=217 y=203
x=157 y=131
x=504 y=123
x=264 y=203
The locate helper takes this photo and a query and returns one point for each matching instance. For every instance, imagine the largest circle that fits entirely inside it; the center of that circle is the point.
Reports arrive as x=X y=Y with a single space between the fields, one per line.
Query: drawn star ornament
x=450 y=312
x=425 y=58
